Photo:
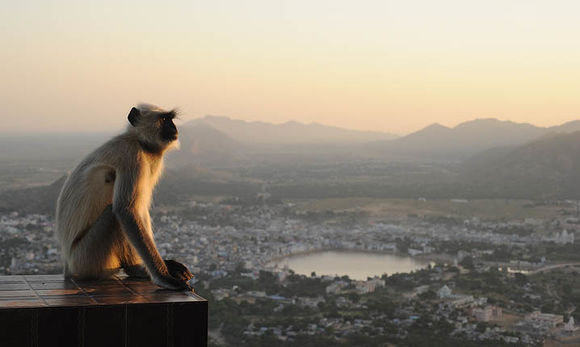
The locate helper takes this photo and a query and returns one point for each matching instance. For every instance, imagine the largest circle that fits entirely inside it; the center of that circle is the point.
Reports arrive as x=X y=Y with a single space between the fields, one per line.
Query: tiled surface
x=49 y=311
x=53 y=290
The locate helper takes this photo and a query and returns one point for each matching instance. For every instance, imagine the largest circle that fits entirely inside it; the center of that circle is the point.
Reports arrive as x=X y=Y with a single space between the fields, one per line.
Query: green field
x=484 y=208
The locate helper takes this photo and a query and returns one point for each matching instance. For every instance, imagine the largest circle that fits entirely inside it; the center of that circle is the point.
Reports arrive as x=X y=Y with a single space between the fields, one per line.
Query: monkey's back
x=88 y=190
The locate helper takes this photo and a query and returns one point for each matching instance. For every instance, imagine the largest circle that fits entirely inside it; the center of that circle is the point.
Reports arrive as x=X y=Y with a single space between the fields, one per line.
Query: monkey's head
x=153 y=126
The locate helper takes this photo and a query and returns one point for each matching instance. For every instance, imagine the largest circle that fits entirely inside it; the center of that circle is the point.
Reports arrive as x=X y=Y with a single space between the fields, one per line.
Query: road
x=552 y=267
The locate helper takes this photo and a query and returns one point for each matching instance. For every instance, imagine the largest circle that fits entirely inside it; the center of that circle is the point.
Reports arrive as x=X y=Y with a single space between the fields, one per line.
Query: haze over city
x=350 y=173
x=387 y=66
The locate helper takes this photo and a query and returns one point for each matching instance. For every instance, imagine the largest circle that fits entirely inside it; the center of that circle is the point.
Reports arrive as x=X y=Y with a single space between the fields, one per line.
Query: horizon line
x=185 y=121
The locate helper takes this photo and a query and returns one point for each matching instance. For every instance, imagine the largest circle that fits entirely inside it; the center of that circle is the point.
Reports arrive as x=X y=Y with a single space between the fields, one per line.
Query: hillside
x=202 y=144
x=545 y=168
x=567 y=127
x=212 y=162
x=439 y=142
x=40 y=199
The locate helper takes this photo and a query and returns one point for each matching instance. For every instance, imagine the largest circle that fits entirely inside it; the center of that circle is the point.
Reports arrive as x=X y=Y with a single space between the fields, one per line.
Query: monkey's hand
x=178 y=270
x=169 y=282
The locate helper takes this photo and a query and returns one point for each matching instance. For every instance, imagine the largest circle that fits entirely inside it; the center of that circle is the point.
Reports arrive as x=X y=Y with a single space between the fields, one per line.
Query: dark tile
x=190 y=324
x=52 y=285
x=14 y=286
x=143 y=287
x=16 y=327
x=7 y=294
x=107 y=290
x=58 y=292
x=59 y=327
x=44 y=277
x=21 y=302
x=104 y=326
x=17 y=297
x=169 y=297
x=97 y=283
x=146 y=325
x=156 y=294
x=120 y=300
x=11 y=278
x=69 y=301
x=136 y=281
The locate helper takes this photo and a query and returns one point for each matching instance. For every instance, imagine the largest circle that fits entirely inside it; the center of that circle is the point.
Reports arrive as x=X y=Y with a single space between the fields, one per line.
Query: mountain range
x=291 y=132
x=469 y=138
x=497 y=158
x=490 y=159
x=217 y=140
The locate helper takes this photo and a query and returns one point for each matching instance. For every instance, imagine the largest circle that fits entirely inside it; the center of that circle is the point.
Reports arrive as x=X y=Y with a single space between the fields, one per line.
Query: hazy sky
x=393 y=66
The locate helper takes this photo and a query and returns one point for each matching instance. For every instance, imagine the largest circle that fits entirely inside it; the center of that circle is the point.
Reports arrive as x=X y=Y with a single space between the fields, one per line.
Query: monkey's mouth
x=170 y=137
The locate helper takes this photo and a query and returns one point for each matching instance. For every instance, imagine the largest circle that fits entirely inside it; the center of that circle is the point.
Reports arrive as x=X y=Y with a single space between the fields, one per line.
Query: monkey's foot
x=136 y=271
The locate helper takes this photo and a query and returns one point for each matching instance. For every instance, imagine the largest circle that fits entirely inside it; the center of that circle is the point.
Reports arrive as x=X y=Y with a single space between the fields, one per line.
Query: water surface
x=356 y=264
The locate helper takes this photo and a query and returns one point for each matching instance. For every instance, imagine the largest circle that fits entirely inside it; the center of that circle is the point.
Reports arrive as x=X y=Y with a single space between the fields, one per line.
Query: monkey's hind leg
x=131 y=262
x=93 y=252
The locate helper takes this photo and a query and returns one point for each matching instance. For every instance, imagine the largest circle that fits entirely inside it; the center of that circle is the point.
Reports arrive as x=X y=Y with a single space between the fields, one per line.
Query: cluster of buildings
x=216 y=239
x=223 y=236
x=562 y=238
x=540 y=324
x=28 y=244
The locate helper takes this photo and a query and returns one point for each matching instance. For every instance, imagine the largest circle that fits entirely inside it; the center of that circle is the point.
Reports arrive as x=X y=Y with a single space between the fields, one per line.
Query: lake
x=357 y=265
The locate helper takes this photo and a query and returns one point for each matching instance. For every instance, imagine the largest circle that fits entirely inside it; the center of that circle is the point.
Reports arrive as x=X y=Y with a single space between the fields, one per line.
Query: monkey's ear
x=134 y=116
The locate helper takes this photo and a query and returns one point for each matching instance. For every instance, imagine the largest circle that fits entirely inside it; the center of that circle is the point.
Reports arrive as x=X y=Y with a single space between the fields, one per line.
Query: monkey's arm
x=176 y=269
x=125 y=201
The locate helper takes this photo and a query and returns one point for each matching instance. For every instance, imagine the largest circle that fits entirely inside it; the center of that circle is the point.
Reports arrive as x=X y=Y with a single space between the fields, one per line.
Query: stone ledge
x=48 y=310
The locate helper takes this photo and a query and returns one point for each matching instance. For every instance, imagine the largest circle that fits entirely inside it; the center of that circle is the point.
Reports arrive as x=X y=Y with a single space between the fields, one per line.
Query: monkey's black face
x=168 y=129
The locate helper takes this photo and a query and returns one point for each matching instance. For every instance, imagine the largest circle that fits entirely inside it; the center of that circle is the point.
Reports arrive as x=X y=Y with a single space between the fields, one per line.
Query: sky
x=393 y=66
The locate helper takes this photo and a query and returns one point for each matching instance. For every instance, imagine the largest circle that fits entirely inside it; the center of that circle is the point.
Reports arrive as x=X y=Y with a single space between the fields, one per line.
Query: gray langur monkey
x=102 y=214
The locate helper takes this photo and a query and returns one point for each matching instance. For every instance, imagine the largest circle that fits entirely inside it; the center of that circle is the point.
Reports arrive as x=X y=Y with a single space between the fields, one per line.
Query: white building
x=547 y=319
x=444 y=292
x=369 y=286
x=564 y=237
x=487 y=313
x=561 y=238
x=570 y=327
x=335 y=288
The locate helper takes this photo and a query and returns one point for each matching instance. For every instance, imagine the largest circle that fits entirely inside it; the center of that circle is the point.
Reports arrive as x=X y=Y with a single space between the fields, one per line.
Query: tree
x=467 y=263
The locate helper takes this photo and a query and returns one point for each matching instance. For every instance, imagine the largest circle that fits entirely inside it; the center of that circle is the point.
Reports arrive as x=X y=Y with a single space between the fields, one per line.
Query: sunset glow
x=392 y=66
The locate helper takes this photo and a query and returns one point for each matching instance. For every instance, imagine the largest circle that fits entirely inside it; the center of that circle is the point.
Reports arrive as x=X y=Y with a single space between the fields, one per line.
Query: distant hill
x=30 y=146
x=40 y=199
x=202 y=144
x=286 y=133
x=546 y=168
x=504 y=160
x=219 y=142
x=566 y=127
x=466 y=139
